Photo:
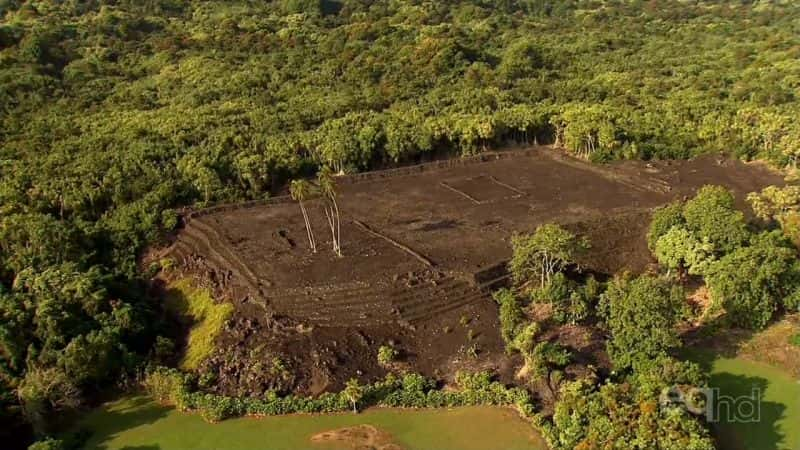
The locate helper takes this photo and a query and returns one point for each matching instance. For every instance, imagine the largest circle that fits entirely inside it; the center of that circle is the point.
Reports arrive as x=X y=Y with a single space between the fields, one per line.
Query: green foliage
x=112 y=113
x=628 y=414
x=197 y=307
x=773 y=201
x=712 y=215
x=795 y=340
x=541 y=254
x=300 y=6
x=572 y=302
x=588 y=129
x=163 y=349
x=641 y=314
x=753 y=282
x=546 y=357
x=525 y=341
x=678 y=249
x=48 y=444
x=411 y=391
x=511 y=314
x=664 y=219
x=167 y=386
x=46 y=391
x=750 y=275
x=387 y=354
x=780 y=204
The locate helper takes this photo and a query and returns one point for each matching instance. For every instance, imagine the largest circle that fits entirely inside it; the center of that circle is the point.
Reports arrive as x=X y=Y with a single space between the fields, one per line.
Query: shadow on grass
x=110 y=420
x=740 y=416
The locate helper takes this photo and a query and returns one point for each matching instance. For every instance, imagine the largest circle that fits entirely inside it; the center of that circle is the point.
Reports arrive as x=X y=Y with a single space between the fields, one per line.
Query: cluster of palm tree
x=303 y=191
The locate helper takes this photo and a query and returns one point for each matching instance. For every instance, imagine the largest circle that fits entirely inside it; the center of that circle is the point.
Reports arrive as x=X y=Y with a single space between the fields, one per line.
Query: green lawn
x=139 y=424
x=778 y=424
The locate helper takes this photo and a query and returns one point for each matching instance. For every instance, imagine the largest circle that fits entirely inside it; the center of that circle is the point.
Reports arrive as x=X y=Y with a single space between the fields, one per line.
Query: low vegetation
x=197 y=309
x=115 y=114
x=409 y=391
x=387 y=354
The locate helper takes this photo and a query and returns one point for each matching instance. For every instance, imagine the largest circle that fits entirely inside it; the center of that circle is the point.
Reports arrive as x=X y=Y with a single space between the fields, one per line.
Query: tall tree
x=641 y=314
x=327 y=188
x=301 y=191
x=354 y=392
x=549 y=249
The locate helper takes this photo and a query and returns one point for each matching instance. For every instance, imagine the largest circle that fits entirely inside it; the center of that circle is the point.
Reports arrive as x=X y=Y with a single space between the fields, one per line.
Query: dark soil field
x=423 y=248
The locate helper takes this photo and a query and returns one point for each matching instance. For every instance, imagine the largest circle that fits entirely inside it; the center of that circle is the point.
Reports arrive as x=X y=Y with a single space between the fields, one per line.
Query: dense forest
x=114 y=113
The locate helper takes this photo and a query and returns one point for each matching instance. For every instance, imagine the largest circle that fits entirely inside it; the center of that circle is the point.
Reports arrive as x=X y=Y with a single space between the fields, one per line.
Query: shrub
x=47 y=444
x=795 y=340
x=572 y=303
x=163 y=349
x=411 y=391
x=167 y=386
x=510 y=313
x=386 y=355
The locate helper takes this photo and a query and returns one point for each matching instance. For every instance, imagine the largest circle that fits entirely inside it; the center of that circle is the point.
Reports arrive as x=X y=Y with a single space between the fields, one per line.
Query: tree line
x=114 y=113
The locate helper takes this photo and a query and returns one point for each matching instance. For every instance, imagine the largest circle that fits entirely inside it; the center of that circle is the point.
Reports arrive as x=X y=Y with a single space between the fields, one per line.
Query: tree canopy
x=113 y=114
x=641 y=315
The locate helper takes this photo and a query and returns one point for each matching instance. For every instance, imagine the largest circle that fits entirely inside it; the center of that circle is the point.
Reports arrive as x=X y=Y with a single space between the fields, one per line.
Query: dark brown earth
x=423 y=247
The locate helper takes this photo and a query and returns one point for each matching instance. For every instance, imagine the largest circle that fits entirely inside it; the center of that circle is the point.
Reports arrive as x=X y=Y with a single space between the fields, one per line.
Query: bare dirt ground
x=423 y=247
x=359 y=437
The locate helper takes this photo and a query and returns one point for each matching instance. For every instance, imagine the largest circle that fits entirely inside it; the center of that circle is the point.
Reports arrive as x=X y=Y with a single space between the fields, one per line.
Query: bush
x=47 y=444
x=411 y=391
x=167 y=386
x=386 y=354
x=510 y=314
x=795 y=340
x=572 y=303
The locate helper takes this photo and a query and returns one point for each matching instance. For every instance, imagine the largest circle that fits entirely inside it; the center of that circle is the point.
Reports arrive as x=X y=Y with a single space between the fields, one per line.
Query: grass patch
x=196 y=307
x=140 y=423
x=773 y=424
x=775 y=345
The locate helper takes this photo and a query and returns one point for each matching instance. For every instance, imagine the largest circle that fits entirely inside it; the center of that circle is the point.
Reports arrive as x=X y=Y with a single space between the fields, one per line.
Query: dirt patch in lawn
x=423 y=248
x=359 y=437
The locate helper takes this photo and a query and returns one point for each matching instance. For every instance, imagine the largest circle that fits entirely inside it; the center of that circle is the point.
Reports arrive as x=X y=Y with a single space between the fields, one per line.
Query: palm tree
x=354 y=393
x=328 y=190
x=301 y=190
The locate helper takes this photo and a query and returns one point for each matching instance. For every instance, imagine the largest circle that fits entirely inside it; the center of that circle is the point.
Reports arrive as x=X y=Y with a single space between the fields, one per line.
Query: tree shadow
x=739 y=415
x=110 y=420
